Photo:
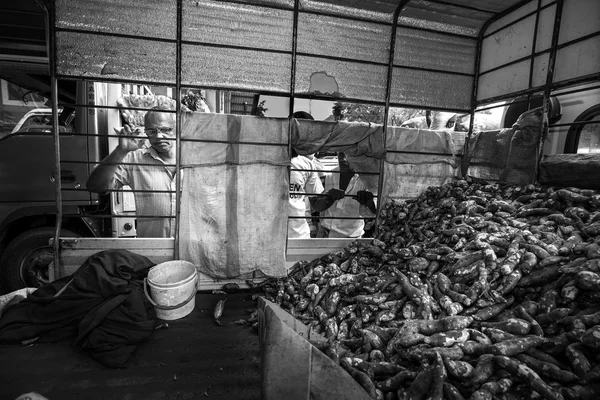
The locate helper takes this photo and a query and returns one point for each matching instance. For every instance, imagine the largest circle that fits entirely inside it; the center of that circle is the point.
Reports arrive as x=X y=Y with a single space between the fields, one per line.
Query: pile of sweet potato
x=471 y=291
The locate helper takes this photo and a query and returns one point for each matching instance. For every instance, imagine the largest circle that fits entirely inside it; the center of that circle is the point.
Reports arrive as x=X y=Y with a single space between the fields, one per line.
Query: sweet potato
x=540 y=276
x=515 y=346
x=591 y=319
x=536 y=328
x=547 y=358
x=447 y=339
x=591 y=337
x=436 y=391
x=527 y=262
x=490 y=312
x=451 y=392
x=484 y=369
x=579 y=392
x=473 y=348
x=419 y=387
x=515 y=326
x=527 y=376
x=361 y=377
x=458 y=369
x=587 y=280
x=454 y=352
x=395 y=382
x=579 y=362
x=502 y=385
x=481 y=394
x=552 y=316
x=548 y=370
x=478 y=336
x=497 y=335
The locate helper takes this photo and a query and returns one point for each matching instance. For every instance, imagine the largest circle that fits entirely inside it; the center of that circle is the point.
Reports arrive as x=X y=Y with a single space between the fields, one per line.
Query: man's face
x=160 y=129
x=344 y=164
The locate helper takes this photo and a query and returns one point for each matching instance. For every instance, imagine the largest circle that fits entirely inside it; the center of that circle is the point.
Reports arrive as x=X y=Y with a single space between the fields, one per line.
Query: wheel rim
x=34 y=267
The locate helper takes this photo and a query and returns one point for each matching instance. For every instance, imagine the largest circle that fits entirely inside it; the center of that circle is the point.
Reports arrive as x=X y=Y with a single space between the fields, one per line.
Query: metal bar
x=114 y=80
x=332 y=171
x=51 y=15
x=464 y=165
x=535 y=30
x=388 y=95
x=324 y=194
x=178 y=127
x=115 y=35
x=548 y=87
x=419 y=153
x=292 y=92
x=465 y=7
x=432 y=70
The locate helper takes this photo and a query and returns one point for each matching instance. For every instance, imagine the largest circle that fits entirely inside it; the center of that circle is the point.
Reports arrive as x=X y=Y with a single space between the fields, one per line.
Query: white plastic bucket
x=172 y=289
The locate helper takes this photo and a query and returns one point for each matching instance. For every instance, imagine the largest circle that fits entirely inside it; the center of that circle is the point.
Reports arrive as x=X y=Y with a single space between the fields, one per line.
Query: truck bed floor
x=193 y=358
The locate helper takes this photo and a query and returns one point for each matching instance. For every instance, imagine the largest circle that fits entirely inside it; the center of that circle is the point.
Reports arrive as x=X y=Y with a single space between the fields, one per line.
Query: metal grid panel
x=578 y=59
x=414 y=48
x=340 y=79
x=579 y=18
x=237 y=25
x=508 y=19
x=232 y=68
x=431 y=89
x=344 y=38
x=120 y=17
x=508 y=45
x=510 y=79
x=115 y=58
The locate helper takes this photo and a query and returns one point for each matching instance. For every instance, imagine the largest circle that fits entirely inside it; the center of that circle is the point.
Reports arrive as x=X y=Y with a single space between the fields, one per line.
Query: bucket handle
x=166 y=307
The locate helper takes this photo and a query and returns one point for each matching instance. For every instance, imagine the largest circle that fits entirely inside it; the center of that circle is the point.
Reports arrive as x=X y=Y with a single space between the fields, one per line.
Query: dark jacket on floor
x=102 y=304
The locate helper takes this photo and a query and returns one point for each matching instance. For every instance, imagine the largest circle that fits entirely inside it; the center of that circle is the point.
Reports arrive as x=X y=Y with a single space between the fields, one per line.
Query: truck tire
x=26 y=258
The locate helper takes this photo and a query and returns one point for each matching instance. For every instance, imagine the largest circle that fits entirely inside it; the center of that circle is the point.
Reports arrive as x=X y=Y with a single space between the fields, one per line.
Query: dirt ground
x=193 y=358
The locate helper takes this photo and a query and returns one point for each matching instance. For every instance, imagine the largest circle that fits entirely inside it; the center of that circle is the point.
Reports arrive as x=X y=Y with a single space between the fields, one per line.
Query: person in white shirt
x=357 y=202
x=303 y=180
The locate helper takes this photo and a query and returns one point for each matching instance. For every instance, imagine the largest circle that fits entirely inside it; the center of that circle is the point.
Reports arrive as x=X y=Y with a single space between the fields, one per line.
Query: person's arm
x=101 y=178
x=322 y=203
x=366 y=198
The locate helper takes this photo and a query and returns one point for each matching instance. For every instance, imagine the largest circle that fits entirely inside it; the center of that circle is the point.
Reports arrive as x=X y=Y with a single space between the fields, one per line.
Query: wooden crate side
x=292 y=368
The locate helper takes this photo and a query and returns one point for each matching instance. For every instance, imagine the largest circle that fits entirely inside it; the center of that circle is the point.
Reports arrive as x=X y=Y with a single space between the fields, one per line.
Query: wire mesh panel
x=345 y=38
x=431 y=89
x=231 y=24
x=115 y=58
x=235 y=68
x=341 y=79
x=424 y=49
x=119 y=17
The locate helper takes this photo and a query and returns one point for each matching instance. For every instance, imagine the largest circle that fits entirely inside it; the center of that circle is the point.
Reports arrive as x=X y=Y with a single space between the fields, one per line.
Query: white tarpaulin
x=407 y=171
